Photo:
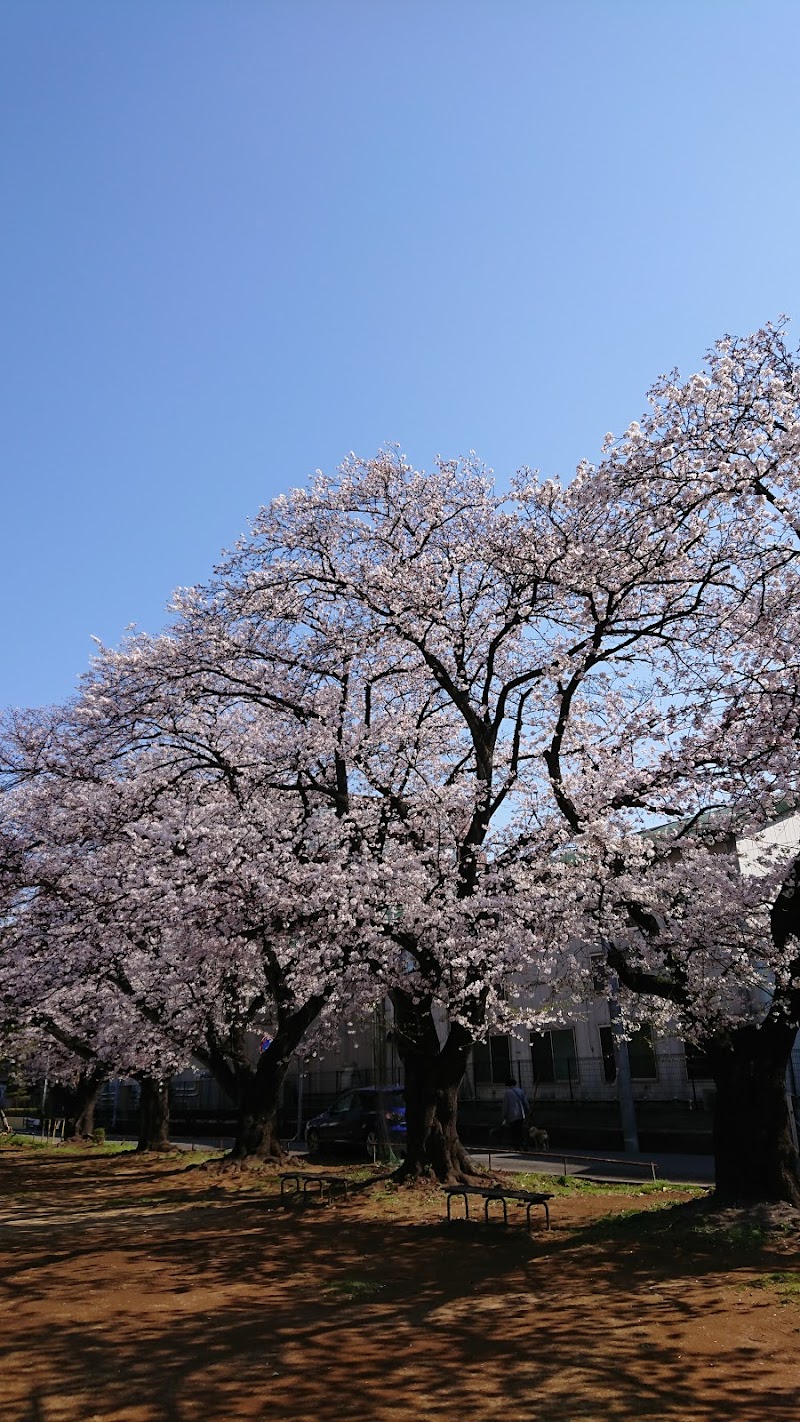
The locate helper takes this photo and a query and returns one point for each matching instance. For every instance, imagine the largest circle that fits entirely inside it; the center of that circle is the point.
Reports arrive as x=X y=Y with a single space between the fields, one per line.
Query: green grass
x=695 y=1226
x=786 y=1284
x=65 y=1147
x=735 y=1237
x=92 y=1149
x=577 y=1185
x=352 y=1288
x=19 y=1140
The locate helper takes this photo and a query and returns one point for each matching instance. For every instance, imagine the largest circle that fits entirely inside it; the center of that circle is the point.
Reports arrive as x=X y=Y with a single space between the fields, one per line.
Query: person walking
x=515 y=1113
x=3 y=1117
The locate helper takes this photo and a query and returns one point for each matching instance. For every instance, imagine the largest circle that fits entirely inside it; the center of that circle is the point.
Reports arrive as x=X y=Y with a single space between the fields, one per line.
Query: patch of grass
x=661 y=1222
x=697 y=1226
x=358 y=1174
x=92 y=1150
x=737 y=1227
x=785 y=1282
x=641 y=1220
x=729 y=1237
x=16 y=1139
x=111 y=1148
x=384 y=1190
x=352 y=1288
x=64 y=1147
x=577 y=1185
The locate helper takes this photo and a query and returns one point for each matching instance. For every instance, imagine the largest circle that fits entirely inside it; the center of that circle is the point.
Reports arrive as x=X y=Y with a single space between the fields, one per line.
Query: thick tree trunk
x=754 y=1155
x=256 y=1089
x=79 y=1118
x=433 y=1074
x=153 y=1115
x=258 y=1099
x=753 y=1147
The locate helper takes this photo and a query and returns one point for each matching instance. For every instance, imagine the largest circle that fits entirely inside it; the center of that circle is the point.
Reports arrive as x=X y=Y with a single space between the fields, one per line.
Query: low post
x=300 y=1077
x=627 y=1106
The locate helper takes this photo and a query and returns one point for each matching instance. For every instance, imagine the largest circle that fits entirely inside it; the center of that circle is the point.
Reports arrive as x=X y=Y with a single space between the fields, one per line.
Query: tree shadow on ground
x=217 y=1304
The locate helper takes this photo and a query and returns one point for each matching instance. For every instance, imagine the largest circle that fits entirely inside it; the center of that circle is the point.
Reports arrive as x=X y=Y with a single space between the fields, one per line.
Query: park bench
x=304 y=1181
x=488 y=1193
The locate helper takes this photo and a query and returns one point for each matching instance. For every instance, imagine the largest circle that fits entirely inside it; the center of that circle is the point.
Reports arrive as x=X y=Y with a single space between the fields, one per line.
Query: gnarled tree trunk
x=258 y=1099
x=754 y=1151
x=433 y=1074
x=153 y=1114
x=754 y=1154
x=79 y=1122
x=256 y=1088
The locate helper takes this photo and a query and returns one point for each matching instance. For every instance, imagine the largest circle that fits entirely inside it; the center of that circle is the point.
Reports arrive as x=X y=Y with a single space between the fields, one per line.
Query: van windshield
x=393 y=1100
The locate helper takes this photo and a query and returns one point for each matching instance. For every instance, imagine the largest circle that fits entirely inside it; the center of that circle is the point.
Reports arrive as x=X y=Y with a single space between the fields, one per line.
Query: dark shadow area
x=213 y=1303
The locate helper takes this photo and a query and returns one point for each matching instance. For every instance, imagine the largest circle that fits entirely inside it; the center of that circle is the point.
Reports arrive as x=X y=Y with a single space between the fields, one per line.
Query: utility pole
x=627 y=1105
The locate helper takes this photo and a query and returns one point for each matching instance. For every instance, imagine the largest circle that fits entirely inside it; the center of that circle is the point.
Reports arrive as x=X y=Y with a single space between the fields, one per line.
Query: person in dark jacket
x=515 y=1113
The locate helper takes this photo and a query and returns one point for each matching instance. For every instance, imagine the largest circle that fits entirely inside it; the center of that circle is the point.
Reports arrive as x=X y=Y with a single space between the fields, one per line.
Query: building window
x=600 y=975
x=609 y=1060
x=698 y=1067
x=491 y=1060
x=553 y=1055
x=641 y=1054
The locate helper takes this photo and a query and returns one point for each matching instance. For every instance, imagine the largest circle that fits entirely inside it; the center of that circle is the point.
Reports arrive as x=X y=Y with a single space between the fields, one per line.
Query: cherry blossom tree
x=459 y=649
x=718 y=751
x=171 y=872
x=594 y=654
x=59 y=1006
x=405 y=755
x=415 y=735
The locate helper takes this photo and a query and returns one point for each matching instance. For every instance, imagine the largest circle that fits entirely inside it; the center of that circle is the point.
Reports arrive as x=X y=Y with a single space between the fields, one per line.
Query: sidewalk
x=617 y=1169
x=620 y=1169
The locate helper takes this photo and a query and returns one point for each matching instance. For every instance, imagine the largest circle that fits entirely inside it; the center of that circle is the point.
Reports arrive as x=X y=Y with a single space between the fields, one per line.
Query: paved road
x=593 y=1165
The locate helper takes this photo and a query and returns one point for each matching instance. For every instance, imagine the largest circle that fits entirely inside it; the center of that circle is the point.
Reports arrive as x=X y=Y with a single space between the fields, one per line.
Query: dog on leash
x=538 y=1139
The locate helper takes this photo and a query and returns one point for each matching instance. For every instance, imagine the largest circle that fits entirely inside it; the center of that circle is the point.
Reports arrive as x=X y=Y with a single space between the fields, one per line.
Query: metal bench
x=318 y=1184
x=488 y=1193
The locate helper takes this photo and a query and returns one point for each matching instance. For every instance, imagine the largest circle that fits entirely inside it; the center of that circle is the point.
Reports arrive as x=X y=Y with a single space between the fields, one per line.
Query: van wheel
x=313 y=1143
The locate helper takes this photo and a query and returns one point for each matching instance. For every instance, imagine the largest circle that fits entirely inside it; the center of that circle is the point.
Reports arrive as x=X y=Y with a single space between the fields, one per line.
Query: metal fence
x=589 y=1078
x=581 y=1079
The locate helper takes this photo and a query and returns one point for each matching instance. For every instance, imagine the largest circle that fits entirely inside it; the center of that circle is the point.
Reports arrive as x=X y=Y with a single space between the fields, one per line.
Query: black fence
x=575 y=1099
x=197 y=1102
x=659 y=1077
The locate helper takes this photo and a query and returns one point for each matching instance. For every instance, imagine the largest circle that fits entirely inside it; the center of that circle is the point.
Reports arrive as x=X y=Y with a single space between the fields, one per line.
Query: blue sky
x=241 y=239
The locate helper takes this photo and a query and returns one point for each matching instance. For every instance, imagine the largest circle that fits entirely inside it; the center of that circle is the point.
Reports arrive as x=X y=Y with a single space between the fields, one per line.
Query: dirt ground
x=136 y=1290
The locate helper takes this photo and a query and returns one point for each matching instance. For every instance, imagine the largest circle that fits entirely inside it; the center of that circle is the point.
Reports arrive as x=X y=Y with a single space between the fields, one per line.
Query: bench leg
x=502 y=1202
x=290 y=1180
x=450 y=1201
x=546 y=1213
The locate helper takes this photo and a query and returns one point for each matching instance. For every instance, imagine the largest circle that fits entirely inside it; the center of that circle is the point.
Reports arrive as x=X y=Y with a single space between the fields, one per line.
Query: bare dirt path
x=135 y=1290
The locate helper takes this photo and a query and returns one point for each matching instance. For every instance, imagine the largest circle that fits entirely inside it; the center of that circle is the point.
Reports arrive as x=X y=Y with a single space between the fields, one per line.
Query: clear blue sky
x=241 y=239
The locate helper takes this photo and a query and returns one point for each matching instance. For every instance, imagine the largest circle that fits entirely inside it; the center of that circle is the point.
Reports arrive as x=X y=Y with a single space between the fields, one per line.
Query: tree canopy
x=415 y=737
